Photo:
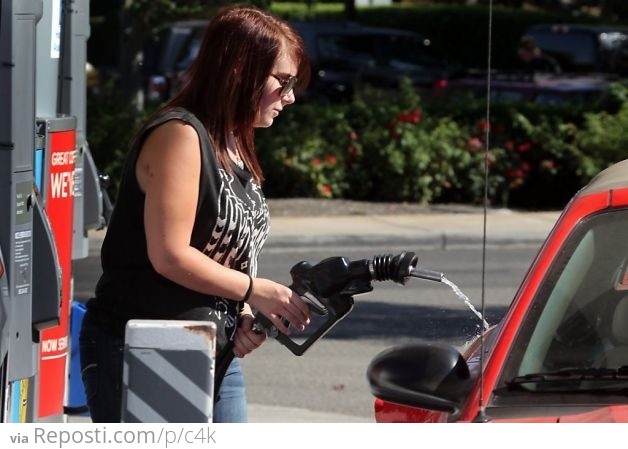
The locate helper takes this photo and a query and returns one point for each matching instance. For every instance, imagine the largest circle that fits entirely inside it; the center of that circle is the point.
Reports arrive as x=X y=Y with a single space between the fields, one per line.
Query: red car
x=560 y=354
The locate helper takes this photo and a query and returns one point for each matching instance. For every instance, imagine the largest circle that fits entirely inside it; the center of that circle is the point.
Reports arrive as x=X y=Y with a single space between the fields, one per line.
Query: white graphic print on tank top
x=237 y=237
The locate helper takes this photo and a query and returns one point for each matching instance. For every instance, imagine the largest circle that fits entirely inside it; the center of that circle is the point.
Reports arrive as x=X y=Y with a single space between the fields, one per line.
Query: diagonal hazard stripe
x=156 y=383
x=137 y=407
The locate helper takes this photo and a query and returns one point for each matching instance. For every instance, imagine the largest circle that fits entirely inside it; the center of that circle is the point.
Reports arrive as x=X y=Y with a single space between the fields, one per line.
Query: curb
x=441 y=241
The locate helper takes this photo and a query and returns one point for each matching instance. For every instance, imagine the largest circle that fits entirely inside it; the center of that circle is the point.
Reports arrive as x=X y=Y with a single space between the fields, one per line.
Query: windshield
x=574 y=338
x=572 y=49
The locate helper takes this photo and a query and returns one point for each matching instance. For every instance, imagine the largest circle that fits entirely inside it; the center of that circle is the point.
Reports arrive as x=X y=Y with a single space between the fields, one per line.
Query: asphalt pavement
x=434 y=228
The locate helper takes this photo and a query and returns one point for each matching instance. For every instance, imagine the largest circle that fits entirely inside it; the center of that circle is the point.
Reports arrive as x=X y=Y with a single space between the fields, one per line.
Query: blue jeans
x=230 y=405
x=101 y=354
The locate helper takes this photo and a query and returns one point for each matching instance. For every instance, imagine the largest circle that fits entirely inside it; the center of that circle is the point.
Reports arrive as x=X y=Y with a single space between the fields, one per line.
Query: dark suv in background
x=346 y=55
x=343 y=56
x=584 y=48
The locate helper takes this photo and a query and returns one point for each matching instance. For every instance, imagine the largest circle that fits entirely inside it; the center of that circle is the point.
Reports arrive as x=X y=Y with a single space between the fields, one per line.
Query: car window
x=172 y=47
x=355 y=49
x=573 y=322
x=401 y=51
x=571 y=48
x=189 y=53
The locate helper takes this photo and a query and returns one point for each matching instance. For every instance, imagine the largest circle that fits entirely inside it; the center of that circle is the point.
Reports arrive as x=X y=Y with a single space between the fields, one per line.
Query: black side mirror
x=424 y=375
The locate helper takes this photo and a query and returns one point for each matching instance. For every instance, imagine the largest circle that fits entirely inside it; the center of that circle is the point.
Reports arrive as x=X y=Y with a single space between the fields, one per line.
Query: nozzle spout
x=427 y=274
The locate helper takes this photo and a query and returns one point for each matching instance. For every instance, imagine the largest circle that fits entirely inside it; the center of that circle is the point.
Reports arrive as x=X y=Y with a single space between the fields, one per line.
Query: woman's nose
x=288 y=98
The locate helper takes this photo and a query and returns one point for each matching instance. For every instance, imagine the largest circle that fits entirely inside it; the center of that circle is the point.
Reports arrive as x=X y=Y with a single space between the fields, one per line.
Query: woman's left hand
x=245 y=339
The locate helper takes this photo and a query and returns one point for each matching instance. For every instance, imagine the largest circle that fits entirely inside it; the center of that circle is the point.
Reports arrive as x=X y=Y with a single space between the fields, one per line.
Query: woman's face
x=273 y=101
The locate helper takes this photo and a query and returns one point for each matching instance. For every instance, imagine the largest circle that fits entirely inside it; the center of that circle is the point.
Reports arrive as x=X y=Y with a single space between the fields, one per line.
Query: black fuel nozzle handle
x=298 y=273
x=323 y=287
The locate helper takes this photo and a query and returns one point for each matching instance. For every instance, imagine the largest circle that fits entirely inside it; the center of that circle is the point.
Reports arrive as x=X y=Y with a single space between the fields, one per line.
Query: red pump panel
x=53 y=348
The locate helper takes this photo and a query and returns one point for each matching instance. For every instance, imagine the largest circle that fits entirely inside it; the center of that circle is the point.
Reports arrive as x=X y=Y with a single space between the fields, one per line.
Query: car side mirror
x=424 y=375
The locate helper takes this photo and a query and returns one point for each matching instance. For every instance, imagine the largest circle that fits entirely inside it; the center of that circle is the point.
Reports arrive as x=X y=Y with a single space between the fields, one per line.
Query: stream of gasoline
x=466 y=300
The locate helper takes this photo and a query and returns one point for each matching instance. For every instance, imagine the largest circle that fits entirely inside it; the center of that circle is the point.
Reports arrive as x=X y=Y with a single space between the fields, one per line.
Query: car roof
x=614 y=177
x=348 y=28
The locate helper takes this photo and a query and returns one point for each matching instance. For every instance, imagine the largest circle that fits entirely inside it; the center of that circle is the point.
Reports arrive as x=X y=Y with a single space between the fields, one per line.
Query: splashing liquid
x=466 y=300
x=440 y=277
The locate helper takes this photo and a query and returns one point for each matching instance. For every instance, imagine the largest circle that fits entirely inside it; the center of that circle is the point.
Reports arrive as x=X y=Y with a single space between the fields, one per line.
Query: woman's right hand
x=278 y=303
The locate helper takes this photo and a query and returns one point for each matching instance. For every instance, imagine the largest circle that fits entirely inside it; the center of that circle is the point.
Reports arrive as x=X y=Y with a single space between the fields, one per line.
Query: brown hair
x=226 y=81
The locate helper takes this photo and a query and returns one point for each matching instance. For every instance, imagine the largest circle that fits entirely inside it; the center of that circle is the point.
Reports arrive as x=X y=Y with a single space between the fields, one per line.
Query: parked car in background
x=583 y=47
x=343 y=56
x=167 y=57
x=560 y=354
x=546 y=89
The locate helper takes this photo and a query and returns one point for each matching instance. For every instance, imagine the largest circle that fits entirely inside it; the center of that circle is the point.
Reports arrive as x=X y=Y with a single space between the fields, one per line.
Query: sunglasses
x=287 y=84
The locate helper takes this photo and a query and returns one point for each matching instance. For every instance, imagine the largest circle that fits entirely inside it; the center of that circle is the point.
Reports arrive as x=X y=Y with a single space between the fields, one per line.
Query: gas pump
x=49 y=198
x=17 y=33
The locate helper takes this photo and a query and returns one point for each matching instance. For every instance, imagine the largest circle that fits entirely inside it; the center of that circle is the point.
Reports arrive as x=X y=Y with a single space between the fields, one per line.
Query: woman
x=191 y=219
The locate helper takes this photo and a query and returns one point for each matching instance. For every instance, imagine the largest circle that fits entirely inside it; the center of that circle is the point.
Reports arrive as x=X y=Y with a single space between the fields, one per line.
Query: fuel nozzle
x=428 y=275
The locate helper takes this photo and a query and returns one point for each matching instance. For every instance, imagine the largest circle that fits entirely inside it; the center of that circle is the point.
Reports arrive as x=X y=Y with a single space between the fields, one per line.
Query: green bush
x=375 y=148
x=604 y=135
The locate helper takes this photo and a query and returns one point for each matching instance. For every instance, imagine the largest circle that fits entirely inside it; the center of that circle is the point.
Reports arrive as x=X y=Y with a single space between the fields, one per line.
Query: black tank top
x=231 y=226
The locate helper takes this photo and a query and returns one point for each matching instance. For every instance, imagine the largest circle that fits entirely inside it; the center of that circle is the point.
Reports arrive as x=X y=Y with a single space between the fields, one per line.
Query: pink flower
x=515 y=173
x=325 y=190
x=413 y=116
x=523 y=147
x=475 y=144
